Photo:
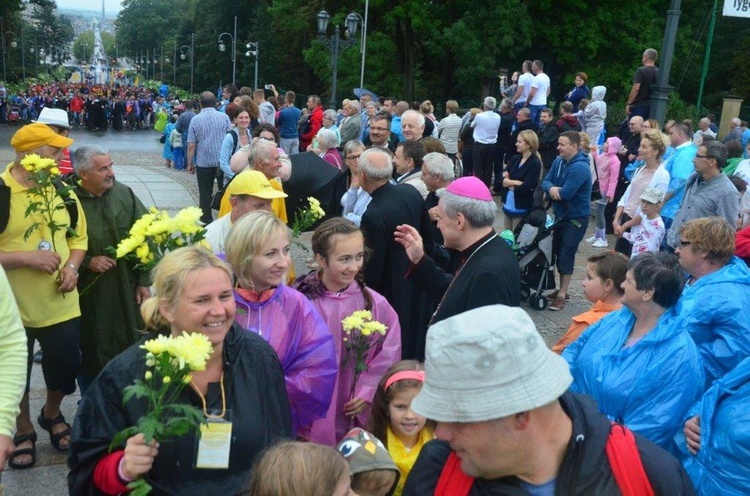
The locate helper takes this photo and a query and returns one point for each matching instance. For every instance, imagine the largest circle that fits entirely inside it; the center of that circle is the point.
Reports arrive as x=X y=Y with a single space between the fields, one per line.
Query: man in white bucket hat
x=507 y=424
x=57 y=120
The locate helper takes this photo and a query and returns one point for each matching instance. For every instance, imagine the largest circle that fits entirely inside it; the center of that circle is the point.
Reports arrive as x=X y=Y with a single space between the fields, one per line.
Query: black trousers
x=483 y=162
x=206 y=177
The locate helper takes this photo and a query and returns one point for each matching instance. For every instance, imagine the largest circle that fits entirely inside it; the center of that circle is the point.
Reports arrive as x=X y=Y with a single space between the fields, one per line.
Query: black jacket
x=585 y=469
x=391 y=206
x=548 y=135
x=530 y=173
x=504 y=131
x=255 y=395
x=490 y=277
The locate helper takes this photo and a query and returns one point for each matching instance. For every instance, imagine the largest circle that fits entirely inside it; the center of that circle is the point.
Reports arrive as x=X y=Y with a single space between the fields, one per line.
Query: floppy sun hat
x=486 y=364
x=54 y=117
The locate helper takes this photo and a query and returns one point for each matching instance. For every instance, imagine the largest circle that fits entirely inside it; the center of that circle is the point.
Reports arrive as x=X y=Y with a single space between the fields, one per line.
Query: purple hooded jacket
x=334 y=307
x=289 y=322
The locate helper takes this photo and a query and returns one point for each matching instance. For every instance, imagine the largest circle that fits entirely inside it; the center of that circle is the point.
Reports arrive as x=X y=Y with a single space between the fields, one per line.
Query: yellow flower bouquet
x=170 y=362
x=49 y=194
x=305 y=218
x=361 y=335
x=156 y=233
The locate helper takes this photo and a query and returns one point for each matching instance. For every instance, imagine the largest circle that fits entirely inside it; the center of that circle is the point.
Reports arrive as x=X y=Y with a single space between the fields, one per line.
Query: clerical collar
x=471 y=249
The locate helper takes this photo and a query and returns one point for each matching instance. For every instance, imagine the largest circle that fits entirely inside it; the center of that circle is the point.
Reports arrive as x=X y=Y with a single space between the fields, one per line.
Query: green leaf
x=121 y=437
x=30 y=230
x=139 y=487
x=138 y=389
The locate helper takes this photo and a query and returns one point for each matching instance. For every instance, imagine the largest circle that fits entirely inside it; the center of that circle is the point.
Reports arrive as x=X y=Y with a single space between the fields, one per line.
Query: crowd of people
x=457 y=393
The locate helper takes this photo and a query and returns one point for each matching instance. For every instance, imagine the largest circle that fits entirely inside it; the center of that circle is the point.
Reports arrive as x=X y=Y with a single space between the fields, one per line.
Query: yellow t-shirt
x=406 y=458
x=39 y=303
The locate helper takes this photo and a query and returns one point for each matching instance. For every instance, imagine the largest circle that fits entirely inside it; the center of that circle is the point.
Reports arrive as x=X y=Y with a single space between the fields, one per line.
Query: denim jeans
x=536 y=111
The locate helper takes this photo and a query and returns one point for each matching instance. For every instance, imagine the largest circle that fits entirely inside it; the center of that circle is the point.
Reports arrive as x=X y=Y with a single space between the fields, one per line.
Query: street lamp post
x=335 y=43
x=223 y=47
x=2 y=41
x=188 y=49
x=174 y=63
x=363 y=43
x=256 y=54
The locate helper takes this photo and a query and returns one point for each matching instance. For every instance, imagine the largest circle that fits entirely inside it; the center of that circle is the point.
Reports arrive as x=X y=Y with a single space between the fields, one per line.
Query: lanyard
x=456 y=277
x=203 y=399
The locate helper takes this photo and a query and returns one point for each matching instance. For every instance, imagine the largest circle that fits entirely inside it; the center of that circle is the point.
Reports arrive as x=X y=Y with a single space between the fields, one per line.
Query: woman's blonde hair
x=169 y=278
x=656 y=138
x=294 y=468
x=532 y=141
x=246 y=239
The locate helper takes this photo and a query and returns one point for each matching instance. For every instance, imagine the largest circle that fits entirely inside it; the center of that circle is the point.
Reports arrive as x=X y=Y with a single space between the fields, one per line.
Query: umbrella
x=311 y=176
x=364 y=91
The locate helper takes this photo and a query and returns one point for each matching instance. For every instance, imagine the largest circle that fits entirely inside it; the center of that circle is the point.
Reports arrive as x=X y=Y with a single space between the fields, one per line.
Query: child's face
x=606 y=146
x=650 y=209
x=593 y=286
x=404 y=422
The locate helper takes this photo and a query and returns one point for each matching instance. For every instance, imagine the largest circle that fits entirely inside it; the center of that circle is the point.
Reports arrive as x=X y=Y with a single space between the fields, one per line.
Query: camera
x=268 y=86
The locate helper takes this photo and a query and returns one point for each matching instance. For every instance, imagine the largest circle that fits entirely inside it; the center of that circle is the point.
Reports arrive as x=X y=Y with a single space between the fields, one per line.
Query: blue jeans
x=643 y=111
x=536 y=111
x=178 y=157
x=566 y=236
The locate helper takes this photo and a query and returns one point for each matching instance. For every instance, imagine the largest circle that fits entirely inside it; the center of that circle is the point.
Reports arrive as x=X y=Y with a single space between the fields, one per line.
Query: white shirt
x=485 y=126
x=541 y=83
x=524 y=81
x=216 y=232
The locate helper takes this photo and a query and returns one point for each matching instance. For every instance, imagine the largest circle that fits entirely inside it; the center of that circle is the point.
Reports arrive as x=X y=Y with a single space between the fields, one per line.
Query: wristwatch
x=72 y=266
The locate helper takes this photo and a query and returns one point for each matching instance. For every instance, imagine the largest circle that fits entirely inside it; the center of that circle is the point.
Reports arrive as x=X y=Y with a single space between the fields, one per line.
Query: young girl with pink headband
x=403 y=432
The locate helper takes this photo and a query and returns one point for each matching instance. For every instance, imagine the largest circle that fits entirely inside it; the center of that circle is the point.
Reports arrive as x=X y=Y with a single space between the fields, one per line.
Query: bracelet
x=72 y=266
x=121 y=473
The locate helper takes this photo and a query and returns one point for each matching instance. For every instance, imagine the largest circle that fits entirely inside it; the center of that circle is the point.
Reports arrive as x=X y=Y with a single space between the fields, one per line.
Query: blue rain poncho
x=722 y=465
x=648 y=386
x=715 y=311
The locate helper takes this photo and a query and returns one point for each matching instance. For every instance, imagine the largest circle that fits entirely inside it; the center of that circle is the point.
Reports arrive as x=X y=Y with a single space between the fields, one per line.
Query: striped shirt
x=207 y=131
x=448 y=130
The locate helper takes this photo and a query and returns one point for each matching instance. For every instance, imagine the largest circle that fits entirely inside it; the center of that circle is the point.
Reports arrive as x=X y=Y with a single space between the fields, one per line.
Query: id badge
x=214 y=443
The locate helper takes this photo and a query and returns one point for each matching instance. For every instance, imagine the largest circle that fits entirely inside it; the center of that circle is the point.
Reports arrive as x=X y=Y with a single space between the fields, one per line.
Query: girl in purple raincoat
x=337 y=292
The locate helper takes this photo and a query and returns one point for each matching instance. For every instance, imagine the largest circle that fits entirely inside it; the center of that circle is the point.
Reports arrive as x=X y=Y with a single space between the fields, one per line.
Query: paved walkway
x=138 y=163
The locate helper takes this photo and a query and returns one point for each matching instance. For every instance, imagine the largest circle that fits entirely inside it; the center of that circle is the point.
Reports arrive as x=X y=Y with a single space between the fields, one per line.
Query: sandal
x=22 y=438
x=55 y=438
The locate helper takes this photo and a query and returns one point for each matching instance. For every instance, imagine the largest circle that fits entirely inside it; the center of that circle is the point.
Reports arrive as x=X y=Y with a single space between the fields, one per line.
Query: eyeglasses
x=379 y=129
x=352 y=157
x=701 y=156
x=685 y=243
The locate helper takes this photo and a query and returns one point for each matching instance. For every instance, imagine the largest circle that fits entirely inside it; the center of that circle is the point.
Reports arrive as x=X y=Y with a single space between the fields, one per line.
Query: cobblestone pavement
x=138 y=163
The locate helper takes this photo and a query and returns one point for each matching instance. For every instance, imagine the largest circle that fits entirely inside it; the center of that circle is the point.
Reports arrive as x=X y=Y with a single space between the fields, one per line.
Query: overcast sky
x=109 y=5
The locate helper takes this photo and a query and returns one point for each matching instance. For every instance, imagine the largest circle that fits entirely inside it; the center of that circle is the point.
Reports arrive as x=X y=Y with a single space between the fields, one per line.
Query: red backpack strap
x=626 y=463
x=453 y=481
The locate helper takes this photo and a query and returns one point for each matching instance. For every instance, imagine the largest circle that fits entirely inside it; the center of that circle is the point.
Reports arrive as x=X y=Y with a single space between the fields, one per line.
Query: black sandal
x=54 y=438
x=18 y=439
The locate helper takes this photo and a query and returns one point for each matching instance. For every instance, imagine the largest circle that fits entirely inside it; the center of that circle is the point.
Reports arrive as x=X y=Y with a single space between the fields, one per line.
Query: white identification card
x=214 y=444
